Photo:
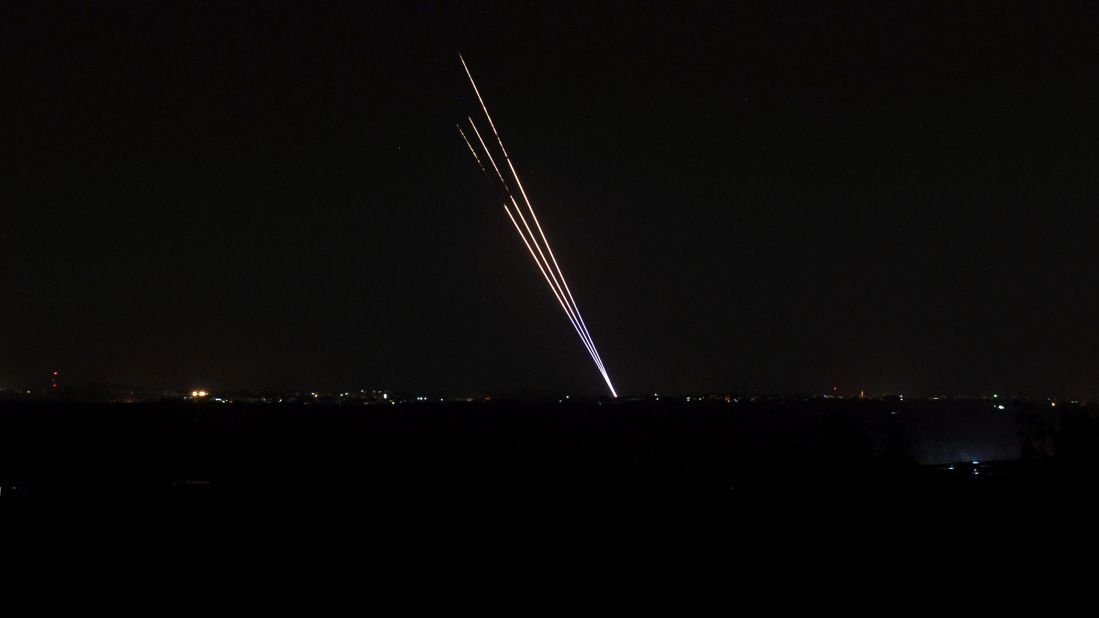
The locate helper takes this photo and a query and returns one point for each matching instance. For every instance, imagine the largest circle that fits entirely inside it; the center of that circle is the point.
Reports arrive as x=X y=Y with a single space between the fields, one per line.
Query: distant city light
x=1001 y=407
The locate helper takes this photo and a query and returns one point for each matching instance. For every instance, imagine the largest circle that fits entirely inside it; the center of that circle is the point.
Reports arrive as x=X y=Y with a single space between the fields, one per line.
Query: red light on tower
x=53 y=379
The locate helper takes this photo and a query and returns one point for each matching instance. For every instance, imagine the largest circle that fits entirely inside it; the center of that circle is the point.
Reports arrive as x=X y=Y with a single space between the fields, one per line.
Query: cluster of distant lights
x=861 y=395
x=975 y=467
x=201 y=394
x=1052 y=403
x=204 y=394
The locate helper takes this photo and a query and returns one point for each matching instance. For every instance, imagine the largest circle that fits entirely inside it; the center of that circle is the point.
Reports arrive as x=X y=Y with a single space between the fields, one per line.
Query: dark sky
x=766 y=196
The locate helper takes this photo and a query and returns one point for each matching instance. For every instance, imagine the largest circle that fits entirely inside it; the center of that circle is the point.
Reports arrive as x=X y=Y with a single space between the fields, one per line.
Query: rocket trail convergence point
x=537 y=244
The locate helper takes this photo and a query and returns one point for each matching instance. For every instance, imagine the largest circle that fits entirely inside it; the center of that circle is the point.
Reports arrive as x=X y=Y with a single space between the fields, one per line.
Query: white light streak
x=560 y=300
x=549 y=267
x=471 y=150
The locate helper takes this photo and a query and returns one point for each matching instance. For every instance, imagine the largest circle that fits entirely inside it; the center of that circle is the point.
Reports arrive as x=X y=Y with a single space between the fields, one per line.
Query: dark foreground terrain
x=771 y=482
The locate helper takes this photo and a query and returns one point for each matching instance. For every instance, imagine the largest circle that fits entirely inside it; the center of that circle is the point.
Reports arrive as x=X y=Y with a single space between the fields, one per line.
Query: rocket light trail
x=483 y=106
x=550 y=269
x=471 y=150
x=550 y=278
x=554 y=285
x=585 y=334
x=560 y=300
x=488 y=153
x=571 y=310
x=519 y=183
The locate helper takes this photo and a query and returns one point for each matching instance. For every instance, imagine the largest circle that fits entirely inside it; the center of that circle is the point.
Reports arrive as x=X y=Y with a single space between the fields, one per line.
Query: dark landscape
x=556 y=292
x=761 y=476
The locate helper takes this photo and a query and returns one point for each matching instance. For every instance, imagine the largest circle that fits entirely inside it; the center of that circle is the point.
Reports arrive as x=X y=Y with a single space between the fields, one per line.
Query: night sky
x=774 y=197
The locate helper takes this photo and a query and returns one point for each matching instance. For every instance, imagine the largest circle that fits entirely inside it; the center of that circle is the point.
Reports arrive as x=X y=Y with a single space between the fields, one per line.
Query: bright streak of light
x=552 y=280
x=484 y=107
x=560 y=290
x=560 y=300
x=519 y=183
x=471 y=150
x=488 y=153
x=585 y=337
x=556 y=295
x=549 y=249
